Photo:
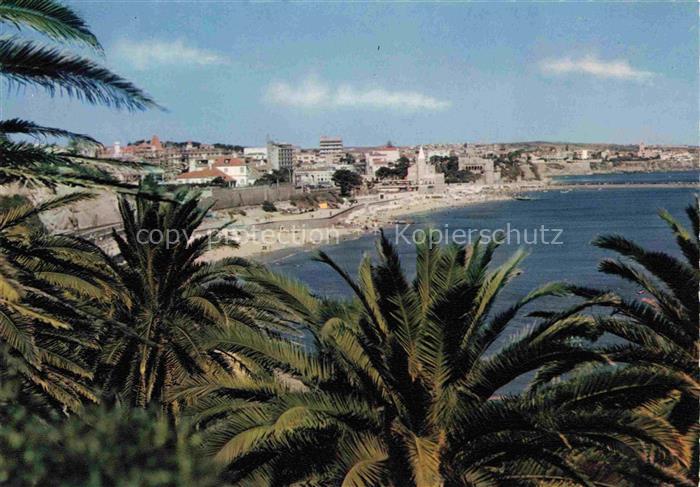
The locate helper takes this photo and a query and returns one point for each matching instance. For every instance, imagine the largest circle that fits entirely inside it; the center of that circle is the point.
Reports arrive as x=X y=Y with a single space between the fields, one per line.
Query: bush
x=268 y=206
x=104 y=447
x=232 y=213
x=346 y=181
x=8 y=202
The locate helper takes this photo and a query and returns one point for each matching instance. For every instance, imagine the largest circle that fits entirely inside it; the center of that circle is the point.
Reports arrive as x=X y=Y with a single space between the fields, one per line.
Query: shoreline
x=369 y=216
x=363 y=219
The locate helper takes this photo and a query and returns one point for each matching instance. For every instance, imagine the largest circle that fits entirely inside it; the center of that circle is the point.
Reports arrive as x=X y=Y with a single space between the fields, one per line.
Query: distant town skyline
x=409 y=73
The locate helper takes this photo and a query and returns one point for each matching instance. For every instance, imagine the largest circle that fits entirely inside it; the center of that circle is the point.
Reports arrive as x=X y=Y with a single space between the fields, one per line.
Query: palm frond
x=26 y=62
x=50 y=18
x=25 y=127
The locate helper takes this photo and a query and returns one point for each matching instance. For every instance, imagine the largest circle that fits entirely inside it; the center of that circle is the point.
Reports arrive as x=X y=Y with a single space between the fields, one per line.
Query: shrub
x=105 y=447
x=268 y=206
x=236 y=211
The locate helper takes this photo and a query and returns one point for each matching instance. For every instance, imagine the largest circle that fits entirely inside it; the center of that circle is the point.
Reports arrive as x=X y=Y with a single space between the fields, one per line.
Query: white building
x=380 y=157
x=330 y=145
x=642 y=150
x=438 y=153
x=232 y=170
x=255 y=153
x=235 y=169
x=316 y=176
x=280 y=156
x=201 y=176
x=331 y=148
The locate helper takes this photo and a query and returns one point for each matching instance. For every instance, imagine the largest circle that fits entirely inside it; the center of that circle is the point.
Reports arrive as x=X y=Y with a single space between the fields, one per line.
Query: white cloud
x=591 y=65
x=314 y=94
x=158 y=53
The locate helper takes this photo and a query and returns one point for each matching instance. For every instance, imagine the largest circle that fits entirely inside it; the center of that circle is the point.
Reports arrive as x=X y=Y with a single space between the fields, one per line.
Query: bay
x=580 y=214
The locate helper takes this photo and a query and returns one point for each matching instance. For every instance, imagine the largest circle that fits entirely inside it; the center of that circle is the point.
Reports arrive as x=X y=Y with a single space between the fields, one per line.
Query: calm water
x=639 y=177
x=580 y=214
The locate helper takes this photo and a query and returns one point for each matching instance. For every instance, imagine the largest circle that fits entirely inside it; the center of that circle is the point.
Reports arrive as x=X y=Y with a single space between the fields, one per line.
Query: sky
x=405 y=72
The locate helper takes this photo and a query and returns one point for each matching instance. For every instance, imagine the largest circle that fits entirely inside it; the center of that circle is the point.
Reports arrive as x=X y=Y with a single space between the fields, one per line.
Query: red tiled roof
x=203 y=173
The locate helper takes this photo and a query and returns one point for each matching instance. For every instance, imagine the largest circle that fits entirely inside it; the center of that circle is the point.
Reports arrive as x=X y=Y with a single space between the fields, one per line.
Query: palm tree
x=29 y=63
x=172 y=298
x=660 y=330
x=406 y=384
x=47 y=285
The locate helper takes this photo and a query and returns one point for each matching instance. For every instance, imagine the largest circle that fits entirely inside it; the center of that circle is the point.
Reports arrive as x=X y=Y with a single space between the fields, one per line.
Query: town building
x=438 y=153
x=642 y=151
x=479 y=165
x=423 y=174
x=255 y=153
x=306 y=157
x=380 y=157
x=235 y=169
x=132 y=151
x=173 y=158
x=331 y=149
x=314 y=176
x=202 y=176
x=280 y=156
x=319 y=176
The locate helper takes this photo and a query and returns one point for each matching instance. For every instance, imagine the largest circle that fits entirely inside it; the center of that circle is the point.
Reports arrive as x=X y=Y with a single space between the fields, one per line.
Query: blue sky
x=409 y=73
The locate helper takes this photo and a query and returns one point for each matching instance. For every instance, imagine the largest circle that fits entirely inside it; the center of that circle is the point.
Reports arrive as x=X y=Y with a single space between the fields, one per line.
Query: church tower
x=420 y=165
x=423 y=173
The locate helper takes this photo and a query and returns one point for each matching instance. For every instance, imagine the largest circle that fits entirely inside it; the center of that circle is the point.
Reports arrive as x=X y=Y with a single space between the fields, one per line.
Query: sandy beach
x=270 y=236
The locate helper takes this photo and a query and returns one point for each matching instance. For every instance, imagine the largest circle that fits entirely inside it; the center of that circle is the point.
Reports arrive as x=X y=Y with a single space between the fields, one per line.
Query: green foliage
x=509 y=165
x=48 y=286
x=347 y=159
x=346 y=180
x=56 y=71
x=276 y=176
x=398 y=171
x=169 y=301
x=231 y=147
x=50 y=18
x=219 y=181
x=400 y=385
x=449 y=166
x=403 y=387
x=659 y=331
x=384 y=173
x=269 y=206
x=102 y=447
x=9 y=202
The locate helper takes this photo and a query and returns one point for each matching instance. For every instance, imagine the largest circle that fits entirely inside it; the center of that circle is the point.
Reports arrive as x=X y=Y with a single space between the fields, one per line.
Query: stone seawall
x=224 y=198
x=102 y=211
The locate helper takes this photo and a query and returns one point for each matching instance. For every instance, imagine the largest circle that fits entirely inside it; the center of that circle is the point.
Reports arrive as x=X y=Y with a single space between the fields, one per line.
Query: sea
x=577 y=216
